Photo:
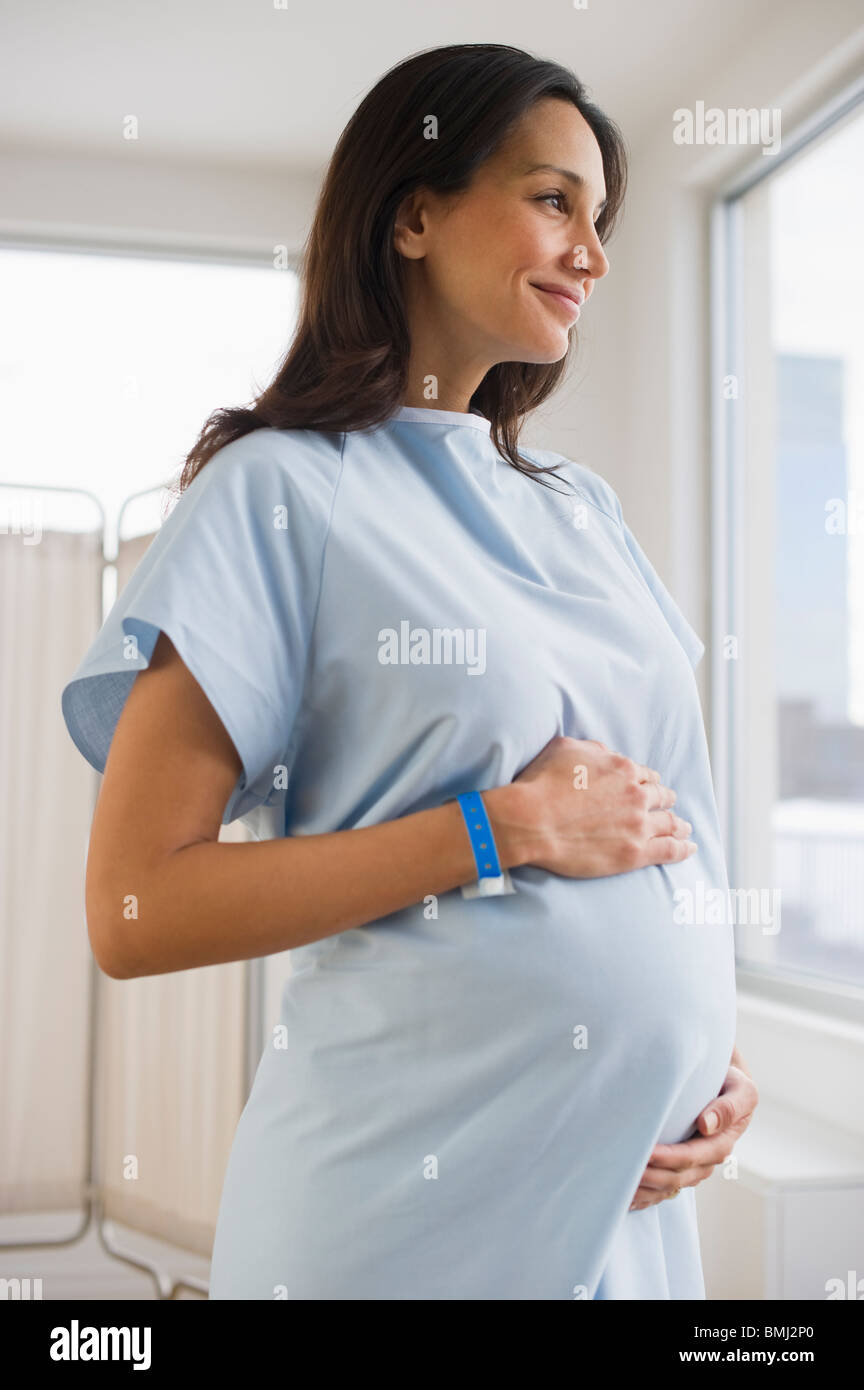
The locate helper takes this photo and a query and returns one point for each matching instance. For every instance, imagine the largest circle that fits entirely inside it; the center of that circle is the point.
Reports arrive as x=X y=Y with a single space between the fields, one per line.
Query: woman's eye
x=562 y=198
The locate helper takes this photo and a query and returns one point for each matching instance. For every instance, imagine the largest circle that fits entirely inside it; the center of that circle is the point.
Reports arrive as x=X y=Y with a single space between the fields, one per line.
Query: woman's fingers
x=692 y=1160
x=697 y=1152
x=659 y=1181
x=668 y=823
x=658 y=797
x=665 y=821
x=648 y=774
x=737 y=1100
x=664 y=1186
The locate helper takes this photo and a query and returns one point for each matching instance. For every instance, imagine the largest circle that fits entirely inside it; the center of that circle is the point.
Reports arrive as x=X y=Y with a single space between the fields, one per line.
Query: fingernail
x=692 y=847
x=711 y=1121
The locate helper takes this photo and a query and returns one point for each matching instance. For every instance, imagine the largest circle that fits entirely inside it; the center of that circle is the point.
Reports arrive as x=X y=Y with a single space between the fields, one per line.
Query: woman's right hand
x=584 y=811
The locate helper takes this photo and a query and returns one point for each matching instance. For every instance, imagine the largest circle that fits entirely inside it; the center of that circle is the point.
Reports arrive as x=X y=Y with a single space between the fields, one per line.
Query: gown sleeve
x=232 y=577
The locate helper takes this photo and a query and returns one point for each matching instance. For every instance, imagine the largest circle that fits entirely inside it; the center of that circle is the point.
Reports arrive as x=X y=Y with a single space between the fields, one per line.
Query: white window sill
x=806 y=1062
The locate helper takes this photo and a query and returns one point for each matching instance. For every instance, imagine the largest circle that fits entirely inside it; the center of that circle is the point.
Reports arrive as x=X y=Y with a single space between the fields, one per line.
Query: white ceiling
x=233 y=81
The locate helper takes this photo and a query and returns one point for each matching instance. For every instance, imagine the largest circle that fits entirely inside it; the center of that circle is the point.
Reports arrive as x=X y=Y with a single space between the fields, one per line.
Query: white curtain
x=49 y=600
x=170 y=1091
x=172 y=1052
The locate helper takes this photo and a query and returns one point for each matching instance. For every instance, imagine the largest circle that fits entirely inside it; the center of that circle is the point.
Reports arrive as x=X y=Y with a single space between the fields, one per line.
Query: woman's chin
x=543 y=352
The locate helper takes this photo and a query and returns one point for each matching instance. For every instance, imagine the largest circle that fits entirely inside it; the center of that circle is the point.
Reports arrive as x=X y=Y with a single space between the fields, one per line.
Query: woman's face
x=474 y=264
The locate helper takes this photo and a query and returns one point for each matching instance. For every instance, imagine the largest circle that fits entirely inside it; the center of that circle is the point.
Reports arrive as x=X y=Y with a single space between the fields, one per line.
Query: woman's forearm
x=215 y=901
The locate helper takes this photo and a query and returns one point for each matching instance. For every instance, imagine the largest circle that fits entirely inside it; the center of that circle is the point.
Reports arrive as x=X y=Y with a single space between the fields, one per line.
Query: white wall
x=134 y=201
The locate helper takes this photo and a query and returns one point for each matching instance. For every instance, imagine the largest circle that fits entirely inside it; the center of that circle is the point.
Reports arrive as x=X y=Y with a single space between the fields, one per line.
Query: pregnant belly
x=657 y=994
x=570 y=1009
x=462 y=1104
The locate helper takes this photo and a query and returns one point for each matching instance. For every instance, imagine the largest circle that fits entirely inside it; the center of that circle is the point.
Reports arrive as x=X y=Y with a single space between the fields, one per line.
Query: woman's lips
x=570 y=306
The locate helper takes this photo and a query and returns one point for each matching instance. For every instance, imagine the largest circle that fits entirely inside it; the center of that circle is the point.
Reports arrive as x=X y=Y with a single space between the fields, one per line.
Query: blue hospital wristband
x=480 y=831
x=491 y=878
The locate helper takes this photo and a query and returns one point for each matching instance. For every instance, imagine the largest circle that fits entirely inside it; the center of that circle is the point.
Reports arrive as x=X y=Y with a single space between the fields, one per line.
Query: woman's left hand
x=673 y=1166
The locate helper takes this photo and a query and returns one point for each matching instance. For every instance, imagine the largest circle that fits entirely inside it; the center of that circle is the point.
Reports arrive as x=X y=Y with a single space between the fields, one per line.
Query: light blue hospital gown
x=459 y=1099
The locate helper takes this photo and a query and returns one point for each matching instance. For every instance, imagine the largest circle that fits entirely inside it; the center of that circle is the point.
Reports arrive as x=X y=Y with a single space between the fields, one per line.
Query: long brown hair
x=346 y=367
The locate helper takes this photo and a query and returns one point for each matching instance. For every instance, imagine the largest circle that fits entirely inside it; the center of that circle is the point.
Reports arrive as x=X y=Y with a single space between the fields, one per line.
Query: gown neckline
x=421 y=415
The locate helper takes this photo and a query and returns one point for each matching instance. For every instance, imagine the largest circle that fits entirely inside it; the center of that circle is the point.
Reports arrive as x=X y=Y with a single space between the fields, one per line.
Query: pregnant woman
x=444 y=686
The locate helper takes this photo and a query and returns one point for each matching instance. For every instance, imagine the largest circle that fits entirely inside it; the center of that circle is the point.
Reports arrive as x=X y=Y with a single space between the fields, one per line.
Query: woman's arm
x=164 y=894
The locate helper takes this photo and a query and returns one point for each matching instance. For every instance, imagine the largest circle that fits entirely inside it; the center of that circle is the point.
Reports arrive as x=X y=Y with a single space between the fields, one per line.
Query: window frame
x=736 y=435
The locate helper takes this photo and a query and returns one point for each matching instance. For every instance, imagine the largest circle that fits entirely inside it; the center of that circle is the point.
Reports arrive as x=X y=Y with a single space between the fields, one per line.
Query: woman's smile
x=569 y=306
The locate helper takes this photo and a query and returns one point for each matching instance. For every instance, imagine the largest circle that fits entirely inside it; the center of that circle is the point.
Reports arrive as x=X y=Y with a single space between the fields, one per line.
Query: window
x=110 y=365
x=788 y=664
